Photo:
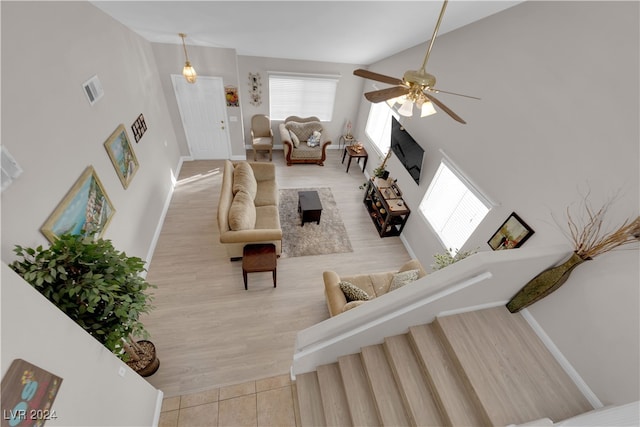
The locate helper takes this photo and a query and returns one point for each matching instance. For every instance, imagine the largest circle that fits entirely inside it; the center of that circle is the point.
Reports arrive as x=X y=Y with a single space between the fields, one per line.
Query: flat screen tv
x=408 y=151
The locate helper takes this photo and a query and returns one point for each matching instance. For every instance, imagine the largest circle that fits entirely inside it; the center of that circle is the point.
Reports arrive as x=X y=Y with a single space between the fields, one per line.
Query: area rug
x=328 y=237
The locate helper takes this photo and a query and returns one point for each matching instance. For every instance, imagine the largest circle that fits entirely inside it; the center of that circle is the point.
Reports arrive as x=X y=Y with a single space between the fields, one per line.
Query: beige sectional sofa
x=248 y=208
x=295 y=133
x=374 y=284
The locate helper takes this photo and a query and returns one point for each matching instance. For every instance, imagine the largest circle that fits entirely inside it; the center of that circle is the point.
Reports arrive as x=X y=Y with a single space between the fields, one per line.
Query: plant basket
x=148 y=363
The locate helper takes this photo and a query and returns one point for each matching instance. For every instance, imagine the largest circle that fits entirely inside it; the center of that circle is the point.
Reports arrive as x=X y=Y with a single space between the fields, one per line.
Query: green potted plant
x=97 y=286
x=381 y=171
x=444 y=259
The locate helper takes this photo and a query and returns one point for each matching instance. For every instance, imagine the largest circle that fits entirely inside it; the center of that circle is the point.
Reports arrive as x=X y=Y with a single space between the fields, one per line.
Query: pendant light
x=188 y=72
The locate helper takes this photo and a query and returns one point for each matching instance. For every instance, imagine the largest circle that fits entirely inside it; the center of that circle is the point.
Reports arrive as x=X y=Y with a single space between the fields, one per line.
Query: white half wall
x=93 y=393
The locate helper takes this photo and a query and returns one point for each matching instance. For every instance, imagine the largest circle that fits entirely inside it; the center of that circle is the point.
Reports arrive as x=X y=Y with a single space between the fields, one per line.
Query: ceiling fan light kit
x=416 y=87
x=188 y=71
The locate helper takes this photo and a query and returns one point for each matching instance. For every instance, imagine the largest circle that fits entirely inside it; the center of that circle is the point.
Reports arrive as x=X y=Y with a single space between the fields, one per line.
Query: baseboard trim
x=165 y=209
x=156 y=415
x=562 y=360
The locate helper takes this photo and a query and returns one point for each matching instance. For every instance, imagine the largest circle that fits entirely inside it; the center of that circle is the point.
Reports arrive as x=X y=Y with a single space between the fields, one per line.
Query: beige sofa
x=248 y=208
x=374 y=284
x=295 y=133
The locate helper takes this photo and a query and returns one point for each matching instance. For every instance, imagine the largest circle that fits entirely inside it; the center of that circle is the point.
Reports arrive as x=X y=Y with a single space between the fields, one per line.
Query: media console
x=386 y=208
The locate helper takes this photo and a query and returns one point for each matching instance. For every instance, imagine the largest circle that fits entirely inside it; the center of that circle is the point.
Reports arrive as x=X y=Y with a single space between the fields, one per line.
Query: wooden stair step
x=359 y=396
x=310 y=400
x=511 y=372
x=334 y=398
x=385 y=391
x=456 y=403
x=414 y=389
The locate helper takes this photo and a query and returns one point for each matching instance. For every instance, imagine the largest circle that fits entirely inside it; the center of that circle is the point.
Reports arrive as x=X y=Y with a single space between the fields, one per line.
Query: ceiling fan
x=416 y=87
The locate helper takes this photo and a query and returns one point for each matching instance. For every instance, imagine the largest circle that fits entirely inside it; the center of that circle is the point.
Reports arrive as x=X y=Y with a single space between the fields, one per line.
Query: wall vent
x=93 y=89
x=10 y=168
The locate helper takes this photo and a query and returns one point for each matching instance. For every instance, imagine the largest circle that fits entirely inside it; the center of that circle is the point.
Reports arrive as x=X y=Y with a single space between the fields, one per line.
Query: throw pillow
x=304 y=130
x=314 y=139
x=403 y=278
x=242 y=213
x=294 y=139
x=353 y=304
x=244 y=179
x=352 y=292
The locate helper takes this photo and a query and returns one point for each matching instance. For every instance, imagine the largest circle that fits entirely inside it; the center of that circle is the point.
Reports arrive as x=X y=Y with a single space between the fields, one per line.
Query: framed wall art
x=122 y=156
x=85 y=209
x=511 y=234
x=28 y=393
x=139 y=127
x=255 y=91
x=231 y=95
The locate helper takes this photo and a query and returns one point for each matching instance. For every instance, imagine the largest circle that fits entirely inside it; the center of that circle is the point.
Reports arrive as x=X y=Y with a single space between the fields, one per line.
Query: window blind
x=452 y=209
x=301 y=95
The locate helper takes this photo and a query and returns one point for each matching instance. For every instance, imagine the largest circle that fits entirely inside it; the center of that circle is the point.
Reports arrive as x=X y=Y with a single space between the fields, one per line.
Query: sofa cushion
x=244 y=179
x=242 y=213
x=267 y=218
x=267 y=194
x=403 y=278
x=305 y=152
x=304 y=130
x=352 y=292
x=353 y=304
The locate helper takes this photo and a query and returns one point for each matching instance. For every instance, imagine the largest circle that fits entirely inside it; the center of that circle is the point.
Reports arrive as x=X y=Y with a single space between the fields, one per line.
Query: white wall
x=54 y=133
x=559 y=115
x=93 y=393
x=348 y=91
x=216 y=62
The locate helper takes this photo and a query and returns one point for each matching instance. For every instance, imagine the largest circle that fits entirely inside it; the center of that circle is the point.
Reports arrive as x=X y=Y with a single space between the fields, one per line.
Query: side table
x=362 y=154
x=345 y=140
x=259 y=257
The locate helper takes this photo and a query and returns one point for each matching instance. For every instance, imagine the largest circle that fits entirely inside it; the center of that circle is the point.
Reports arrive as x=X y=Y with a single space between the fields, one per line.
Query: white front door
x=204 y=116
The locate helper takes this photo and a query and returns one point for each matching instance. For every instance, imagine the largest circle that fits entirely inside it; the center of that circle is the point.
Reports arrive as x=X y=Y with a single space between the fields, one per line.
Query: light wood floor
x=208 y=330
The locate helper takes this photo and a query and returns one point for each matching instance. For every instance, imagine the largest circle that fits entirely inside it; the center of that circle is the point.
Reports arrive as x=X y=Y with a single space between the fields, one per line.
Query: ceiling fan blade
x=433 y=90
x=377 y=77
x=385 y=94
x=444 y=108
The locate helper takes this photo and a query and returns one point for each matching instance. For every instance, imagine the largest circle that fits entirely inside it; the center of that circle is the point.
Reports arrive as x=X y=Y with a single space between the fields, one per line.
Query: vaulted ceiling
x=352 y=32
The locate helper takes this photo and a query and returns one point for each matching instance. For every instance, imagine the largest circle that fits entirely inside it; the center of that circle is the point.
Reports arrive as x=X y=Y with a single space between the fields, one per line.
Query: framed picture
x=231 y=95
x=139 y=127
x=122 y=156
x=511 y=234
x=85 y=209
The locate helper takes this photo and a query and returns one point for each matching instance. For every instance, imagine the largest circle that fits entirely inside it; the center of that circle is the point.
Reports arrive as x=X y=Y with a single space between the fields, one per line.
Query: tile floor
x=266 y=402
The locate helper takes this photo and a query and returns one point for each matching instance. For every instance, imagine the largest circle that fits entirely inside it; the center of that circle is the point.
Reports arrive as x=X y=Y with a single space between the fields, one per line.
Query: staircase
x=486 y=367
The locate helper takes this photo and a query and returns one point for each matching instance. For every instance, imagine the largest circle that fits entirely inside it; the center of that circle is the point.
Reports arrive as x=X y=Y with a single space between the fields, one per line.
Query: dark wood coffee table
x=309 y=206
x=259 y=257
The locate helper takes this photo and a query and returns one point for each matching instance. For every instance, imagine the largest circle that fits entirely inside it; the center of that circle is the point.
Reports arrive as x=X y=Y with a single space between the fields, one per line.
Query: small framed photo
x=139 y=127
x=122 y=155
x=511 y=234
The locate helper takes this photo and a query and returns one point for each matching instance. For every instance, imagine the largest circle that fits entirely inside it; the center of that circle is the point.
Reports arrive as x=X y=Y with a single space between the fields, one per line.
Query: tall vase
x=544 y=283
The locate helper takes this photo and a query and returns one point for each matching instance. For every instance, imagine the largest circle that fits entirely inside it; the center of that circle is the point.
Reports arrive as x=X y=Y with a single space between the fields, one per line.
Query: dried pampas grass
x=590 y=233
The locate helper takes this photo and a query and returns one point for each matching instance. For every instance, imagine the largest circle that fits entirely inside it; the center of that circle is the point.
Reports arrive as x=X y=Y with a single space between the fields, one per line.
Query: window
x=301 y=95
x=453 y=207
x=378 y=127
